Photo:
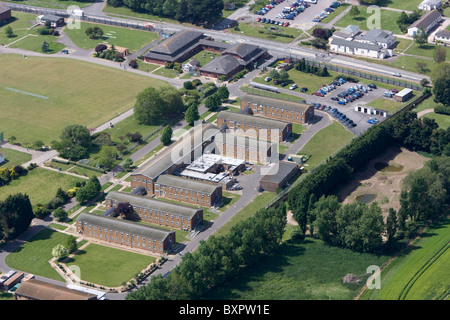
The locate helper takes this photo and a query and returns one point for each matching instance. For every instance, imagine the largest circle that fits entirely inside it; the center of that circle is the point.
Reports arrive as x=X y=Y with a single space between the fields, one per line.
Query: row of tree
x=219 y=258
x=303 y=66
x=193 y=11
x=403 y=129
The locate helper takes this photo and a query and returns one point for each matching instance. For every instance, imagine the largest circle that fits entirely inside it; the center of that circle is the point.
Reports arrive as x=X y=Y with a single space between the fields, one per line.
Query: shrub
x=441 y=109
x=133 y=64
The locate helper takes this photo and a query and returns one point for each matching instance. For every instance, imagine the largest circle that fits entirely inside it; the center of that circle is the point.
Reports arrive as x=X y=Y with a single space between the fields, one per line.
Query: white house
x=428 y=22
x=429 y=5
x=443 y=36
x=375 y=43
x=2 y=158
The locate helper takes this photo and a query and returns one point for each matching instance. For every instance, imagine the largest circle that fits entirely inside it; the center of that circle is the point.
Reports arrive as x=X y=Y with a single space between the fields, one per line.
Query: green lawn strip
x=203 y=57
x=335 y=13
x=70 y=100
x=229 y=199
x=388 y=20
x=54 y=4
x=14 y=158
x=108 y=266
x=249 y=210
x=129 y=125
x=34 y=43
x=84 y=171
x=259 y=30
x=300 y=271
x=131 y=39
x=386 y=104
x=325 y=142
x=145 y=66
x=426 y=50
x=407 y=63
x=406 y=271
x=165 y=72
x=442 y=120
x=402 y=44
x=22 y=21
x=409 y=5
x=33 y=255
x=40 y=185
x=124 y=11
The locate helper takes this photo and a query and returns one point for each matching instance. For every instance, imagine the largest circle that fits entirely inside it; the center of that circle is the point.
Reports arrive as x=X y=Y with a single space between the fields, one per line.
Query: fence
x=88 y=18
x=360 y=74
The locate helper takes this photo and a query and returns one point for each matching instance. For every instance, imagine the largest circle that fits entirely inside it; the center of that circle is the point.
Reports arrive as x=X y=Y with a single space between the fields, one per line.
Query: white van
x=310 y=1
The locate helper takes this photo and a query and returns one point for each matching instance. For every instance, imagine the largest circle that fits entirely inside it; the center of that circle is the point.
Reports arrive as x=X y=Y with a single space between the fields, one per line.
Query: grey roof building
x=222 y=65
x=152 y=203
x=189 y=184
x=257 y=121
x=427 y=22
x=130 y=227
x=260 y=100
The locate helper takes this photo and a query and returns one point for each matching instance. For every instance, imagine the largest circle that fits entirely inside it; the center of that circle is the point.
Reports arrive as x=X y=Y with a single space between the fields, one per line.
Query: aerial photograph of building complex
x=248 y=152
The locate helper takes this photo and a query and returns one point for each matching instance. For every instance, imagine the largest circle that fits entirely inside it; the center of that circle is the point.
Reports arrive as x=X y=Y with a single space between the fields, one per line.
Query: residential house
x=55 y=21
x=443 y=36
x=429 y=5
x=427 y=22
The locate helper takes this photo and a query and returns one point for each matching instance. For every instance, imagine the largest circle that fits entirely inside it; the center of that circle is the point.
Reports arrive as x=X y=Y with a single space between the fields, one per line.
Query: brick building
x=256 y=127
x=276 y=109
x=125 y=233
x=187 y=190
x=245 y=148
x=182 y=152
x=5 y=13
x=158 y=212
x=279 y=176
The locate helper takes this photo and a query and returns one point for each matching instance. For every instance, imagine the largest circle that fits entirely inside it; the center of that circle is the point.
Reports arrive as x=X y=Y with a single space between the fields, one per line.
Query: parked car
x=397 y=74
x=267 y=79
x=293 y=87
x=304 y=89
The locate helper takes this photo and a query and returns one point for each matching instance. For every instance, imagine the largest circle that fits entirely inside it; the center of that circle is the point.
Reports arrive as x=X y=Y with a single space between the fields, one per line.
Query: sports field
x=41 y=96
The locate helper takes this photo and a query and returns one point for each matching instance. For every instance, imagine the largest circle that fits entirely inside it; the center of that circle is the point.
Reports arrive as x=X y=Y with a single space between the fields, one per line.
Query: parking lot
x=301 y=21
x=358 y=118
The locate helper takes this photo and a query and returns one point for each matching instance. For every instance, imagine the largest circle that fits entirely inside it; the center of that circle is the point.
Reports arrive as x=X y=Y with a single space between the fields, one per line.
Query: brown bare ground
x=386 y=185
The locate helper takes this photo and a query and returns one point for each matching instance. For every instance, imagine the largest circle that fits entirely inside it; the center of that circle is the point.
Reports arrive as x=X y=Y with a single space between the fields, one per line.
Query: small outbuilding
x=55 y=21
x=279 y=176
x=5 y=13
x=403 y=95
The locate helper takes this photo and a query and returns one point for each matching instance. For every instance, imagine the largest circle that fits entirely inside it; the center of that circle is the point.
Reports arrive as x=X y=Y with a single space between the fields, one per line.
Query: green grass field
x=122 y=37
x=442 y=120
x=409 y=5
x=307 y=271
x=55 y=4
x=33 y=255
x=33 y=40
x=426 y=50
x=40 y=185
x=258 y=30
x=420 y=273
x=387 y=104
x=326 y=142
x=388 y=20
x=78 y=93
x=14 y=158
x=108 y=266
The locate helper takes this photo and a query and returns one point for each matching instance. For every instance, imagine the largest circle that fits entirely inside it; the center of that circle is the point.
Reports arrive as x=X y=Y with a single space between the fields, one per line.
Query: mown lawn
x=325 y=142
x=13 y=158
x=426 y=50
x=387 y=104
x=33 y=255
x=109 y=266
x=131 y=39
x=388 y=20
x=78 y=93
x=40 y=185
x=259 y=30
x=55 y=4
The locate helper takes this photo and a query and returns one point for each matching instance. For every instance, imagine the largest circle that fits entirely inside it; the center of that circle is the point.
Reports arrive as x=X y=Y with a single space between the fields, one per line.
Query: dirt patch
x=381 y=180
x=290 y=219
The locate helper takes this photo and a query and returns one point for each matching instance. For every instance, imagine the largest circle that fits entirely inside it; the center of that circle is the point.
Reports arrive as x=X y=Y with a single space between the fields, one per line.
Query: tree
x=439 y=54
x=9 y=32
x=421 y=66
x=421 y=37
x=90 y=190
x=188 y=85
x=127 y=164
x=223 y=93
x=100 y=48
x=354 y=11
x=16 y=215
x=274 y=74
x=192 y=114
x=44 y=46
x=284 y=75
x=38 y=144
x=60 y=214
x=148 y=106
x=107 y=157
x=125 y=210
x=213 y=102
x=391 y=225
x=71 y=244
x=59 y=252
x=94 y=32
x=441 y=85
x=166 y=135
x=320 y=33
x=169 y=8
x=75 y=142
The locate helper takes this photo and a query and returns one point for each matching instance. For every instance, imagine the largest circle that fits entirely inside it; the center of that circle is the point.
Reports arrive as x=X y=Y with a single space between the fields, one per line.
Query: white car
x=294 y=86
x=397 y=74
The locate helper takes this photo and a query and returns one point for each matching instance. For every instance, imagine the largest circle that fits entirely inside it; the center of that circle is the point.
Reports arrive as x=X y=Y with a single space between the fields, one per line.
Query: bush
x=188 y=85
x=441 y=109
